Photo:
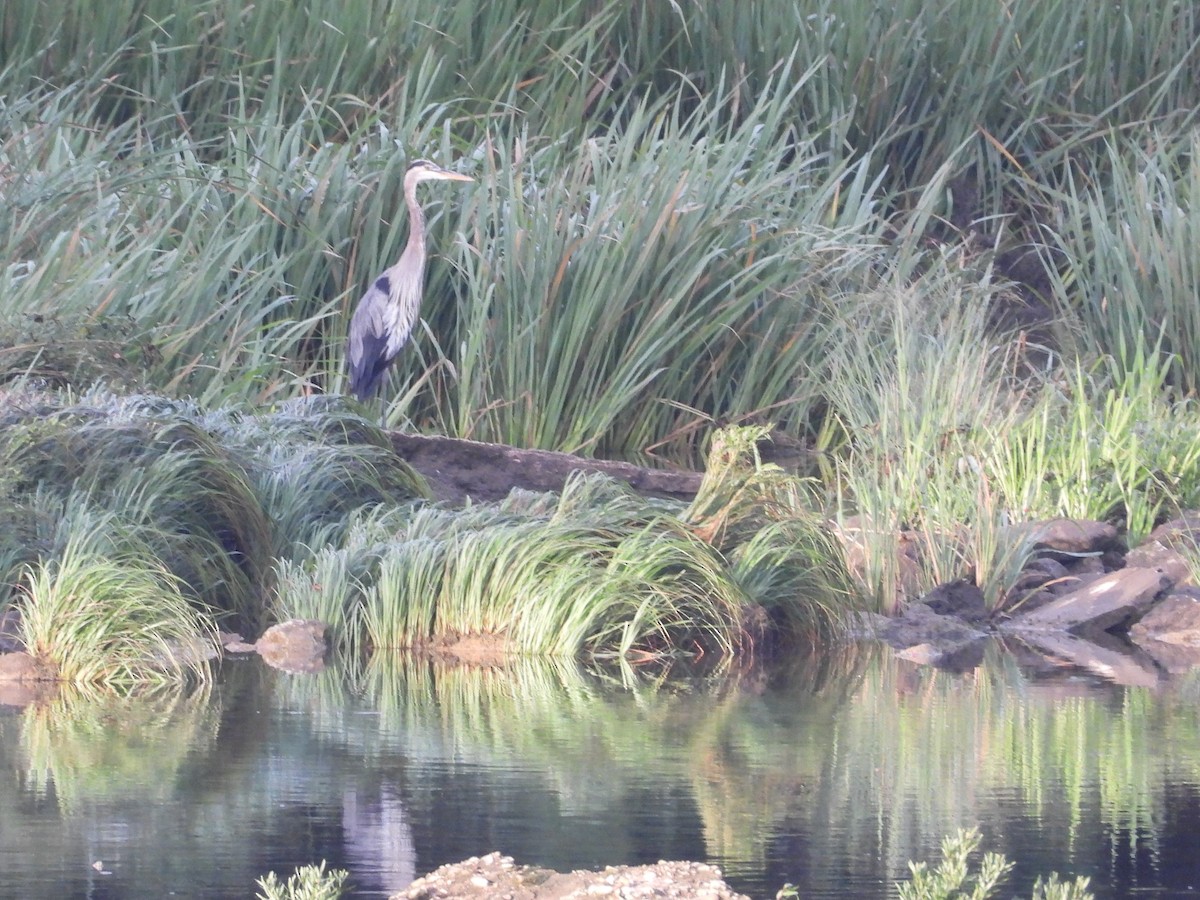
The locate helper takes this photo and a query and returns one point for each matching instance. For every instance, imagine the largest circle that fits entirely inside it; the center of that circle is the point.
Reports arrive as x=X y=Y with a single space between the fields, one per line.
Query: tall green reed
x=1120 y=253
x=911 y=385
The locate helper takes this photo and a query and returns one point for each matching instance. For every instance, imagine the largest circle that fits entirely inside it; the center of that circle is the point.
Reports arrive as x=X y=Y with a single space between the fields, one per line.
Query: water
x=828 y=772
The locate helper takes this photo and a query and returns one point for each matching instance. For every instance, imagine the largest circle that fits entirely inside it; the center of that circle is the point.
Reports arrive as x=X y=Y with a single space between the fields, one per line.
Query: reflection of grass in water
x=855 y=750
x=595 y=731
x=95 y=747
x=919 y=751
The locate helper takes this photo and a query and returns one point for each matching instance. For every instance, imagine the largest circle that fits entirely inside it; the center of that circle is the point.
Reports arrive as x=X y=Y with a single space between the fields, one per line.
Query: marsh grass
x=595 y=570
x=696 y=209
x=612 y=302
x=1119 y=253
x=111 y=619
x=1106 y=444
x=554 y=583
x=912 y=389
x=685 y=217
x=115 y=501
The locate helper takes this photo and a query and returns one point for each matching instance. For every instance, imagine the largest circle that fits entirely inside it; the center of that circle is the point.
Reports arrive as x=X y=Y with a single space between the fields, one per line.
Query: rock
x=235 y=643
x=1107 y=602
x=866 y=625
x=921 y=625
x=24 y=680
x=1075 y=536
x=1155 y=554
x=494 y=876
x=1182 y=531
x=962 y=599
x=1170 y=632
x=21 y=667
x=1176 y=620
x=961 y=657
x=297 y=646
x=456 y=469
x=1039 y=573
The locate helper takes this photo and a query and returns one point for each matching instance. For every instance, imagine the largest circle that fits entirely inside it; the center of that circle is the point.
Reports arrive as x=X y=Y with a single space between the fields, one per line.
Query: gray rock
x=1155 y=554
x=497 y=876
x=1170 y=632
x=22 y=667
x=1175 y=620
x=961 y=657
x=1183 y=531
x=1075 y=536
x=921 y=625
x=1107 y=602
x=1108 y=659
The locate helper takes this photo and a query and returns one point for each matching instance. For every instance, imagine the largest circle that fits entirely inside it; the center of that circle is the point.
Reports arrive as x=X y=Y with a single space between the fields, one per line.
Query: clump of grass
x=158 y=473
x=557 y=583
x=112 y=619
x=306 y=883
x=595 y=570
x=1119 y=257
x=216 y=497
x=766 y=523
x=312 y=464
x=1108 y=444
x=912 y=390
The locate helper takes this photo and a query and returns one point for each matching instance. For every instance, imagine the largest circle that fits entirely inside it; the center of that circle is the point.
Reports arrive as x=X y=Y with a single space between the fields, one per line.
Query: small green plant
x=306 y=883
x=954 y=880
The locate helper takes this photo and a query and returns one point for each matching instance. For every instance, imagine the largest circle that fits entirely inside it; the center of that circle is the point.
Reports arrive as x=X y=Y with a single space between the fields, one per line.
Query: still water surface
x=829 y=772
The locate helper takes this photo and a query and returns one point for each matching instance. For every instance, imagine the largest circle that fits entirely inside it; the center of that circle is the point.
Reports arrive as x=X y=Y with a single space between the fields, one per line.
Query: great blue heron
x=388 y=310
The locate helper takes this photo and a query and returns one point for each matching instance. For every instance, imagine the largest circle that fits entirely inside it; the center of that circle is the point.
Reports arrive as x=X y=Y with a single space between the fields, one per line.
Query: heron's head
x=424 y=170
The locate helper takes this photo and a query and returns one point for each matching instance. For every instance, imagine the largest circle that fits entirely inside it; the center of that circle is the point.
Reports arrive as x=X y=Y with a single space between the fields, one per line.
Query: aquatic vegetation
x=306 y=883
x=102 y=613
x=594 y=570
x=953 y=877
x=668 y=220
x=690 y=218
x=149 y=517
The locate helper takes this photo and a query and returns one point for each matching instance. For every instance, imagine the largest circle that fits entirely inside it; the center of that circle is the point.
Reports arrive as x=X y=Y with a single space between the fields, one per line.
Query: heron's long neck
x=416 y=225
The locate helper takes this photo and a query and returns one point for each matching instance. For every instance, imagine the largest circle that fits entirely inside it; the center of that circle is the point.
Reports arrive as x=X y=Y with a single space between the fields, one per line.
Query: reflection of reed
x=851 y=750
x=91 y=747
x=594 y=733
x=919 y=752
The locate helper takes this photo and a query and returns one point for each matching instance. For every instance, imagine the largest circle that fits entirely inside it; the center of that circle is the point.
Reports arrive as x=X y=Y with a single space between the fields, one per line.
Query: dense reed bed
x=947 y=247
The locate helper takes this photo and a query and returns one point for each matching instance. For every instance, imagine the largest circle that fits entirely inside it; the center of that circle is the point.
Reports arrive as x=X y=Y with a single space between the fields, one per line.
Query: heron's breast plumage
x=403 y=306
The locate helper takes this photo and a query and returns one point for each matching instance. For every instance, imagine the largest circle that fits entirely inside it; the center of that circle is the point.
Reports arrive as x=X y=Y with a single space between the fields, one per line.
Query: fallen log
x=458 y=469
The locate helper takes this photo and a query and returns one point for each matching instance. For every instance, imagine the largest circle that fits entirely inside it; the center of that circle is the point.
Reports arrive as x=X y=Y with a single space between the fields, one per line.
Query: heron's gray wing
x=368 y=348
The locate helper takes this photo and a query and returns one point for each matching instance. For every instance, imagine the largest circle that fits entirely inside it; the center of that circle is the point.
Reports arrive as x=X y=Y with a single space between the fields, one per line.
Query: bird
x=387 y=312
